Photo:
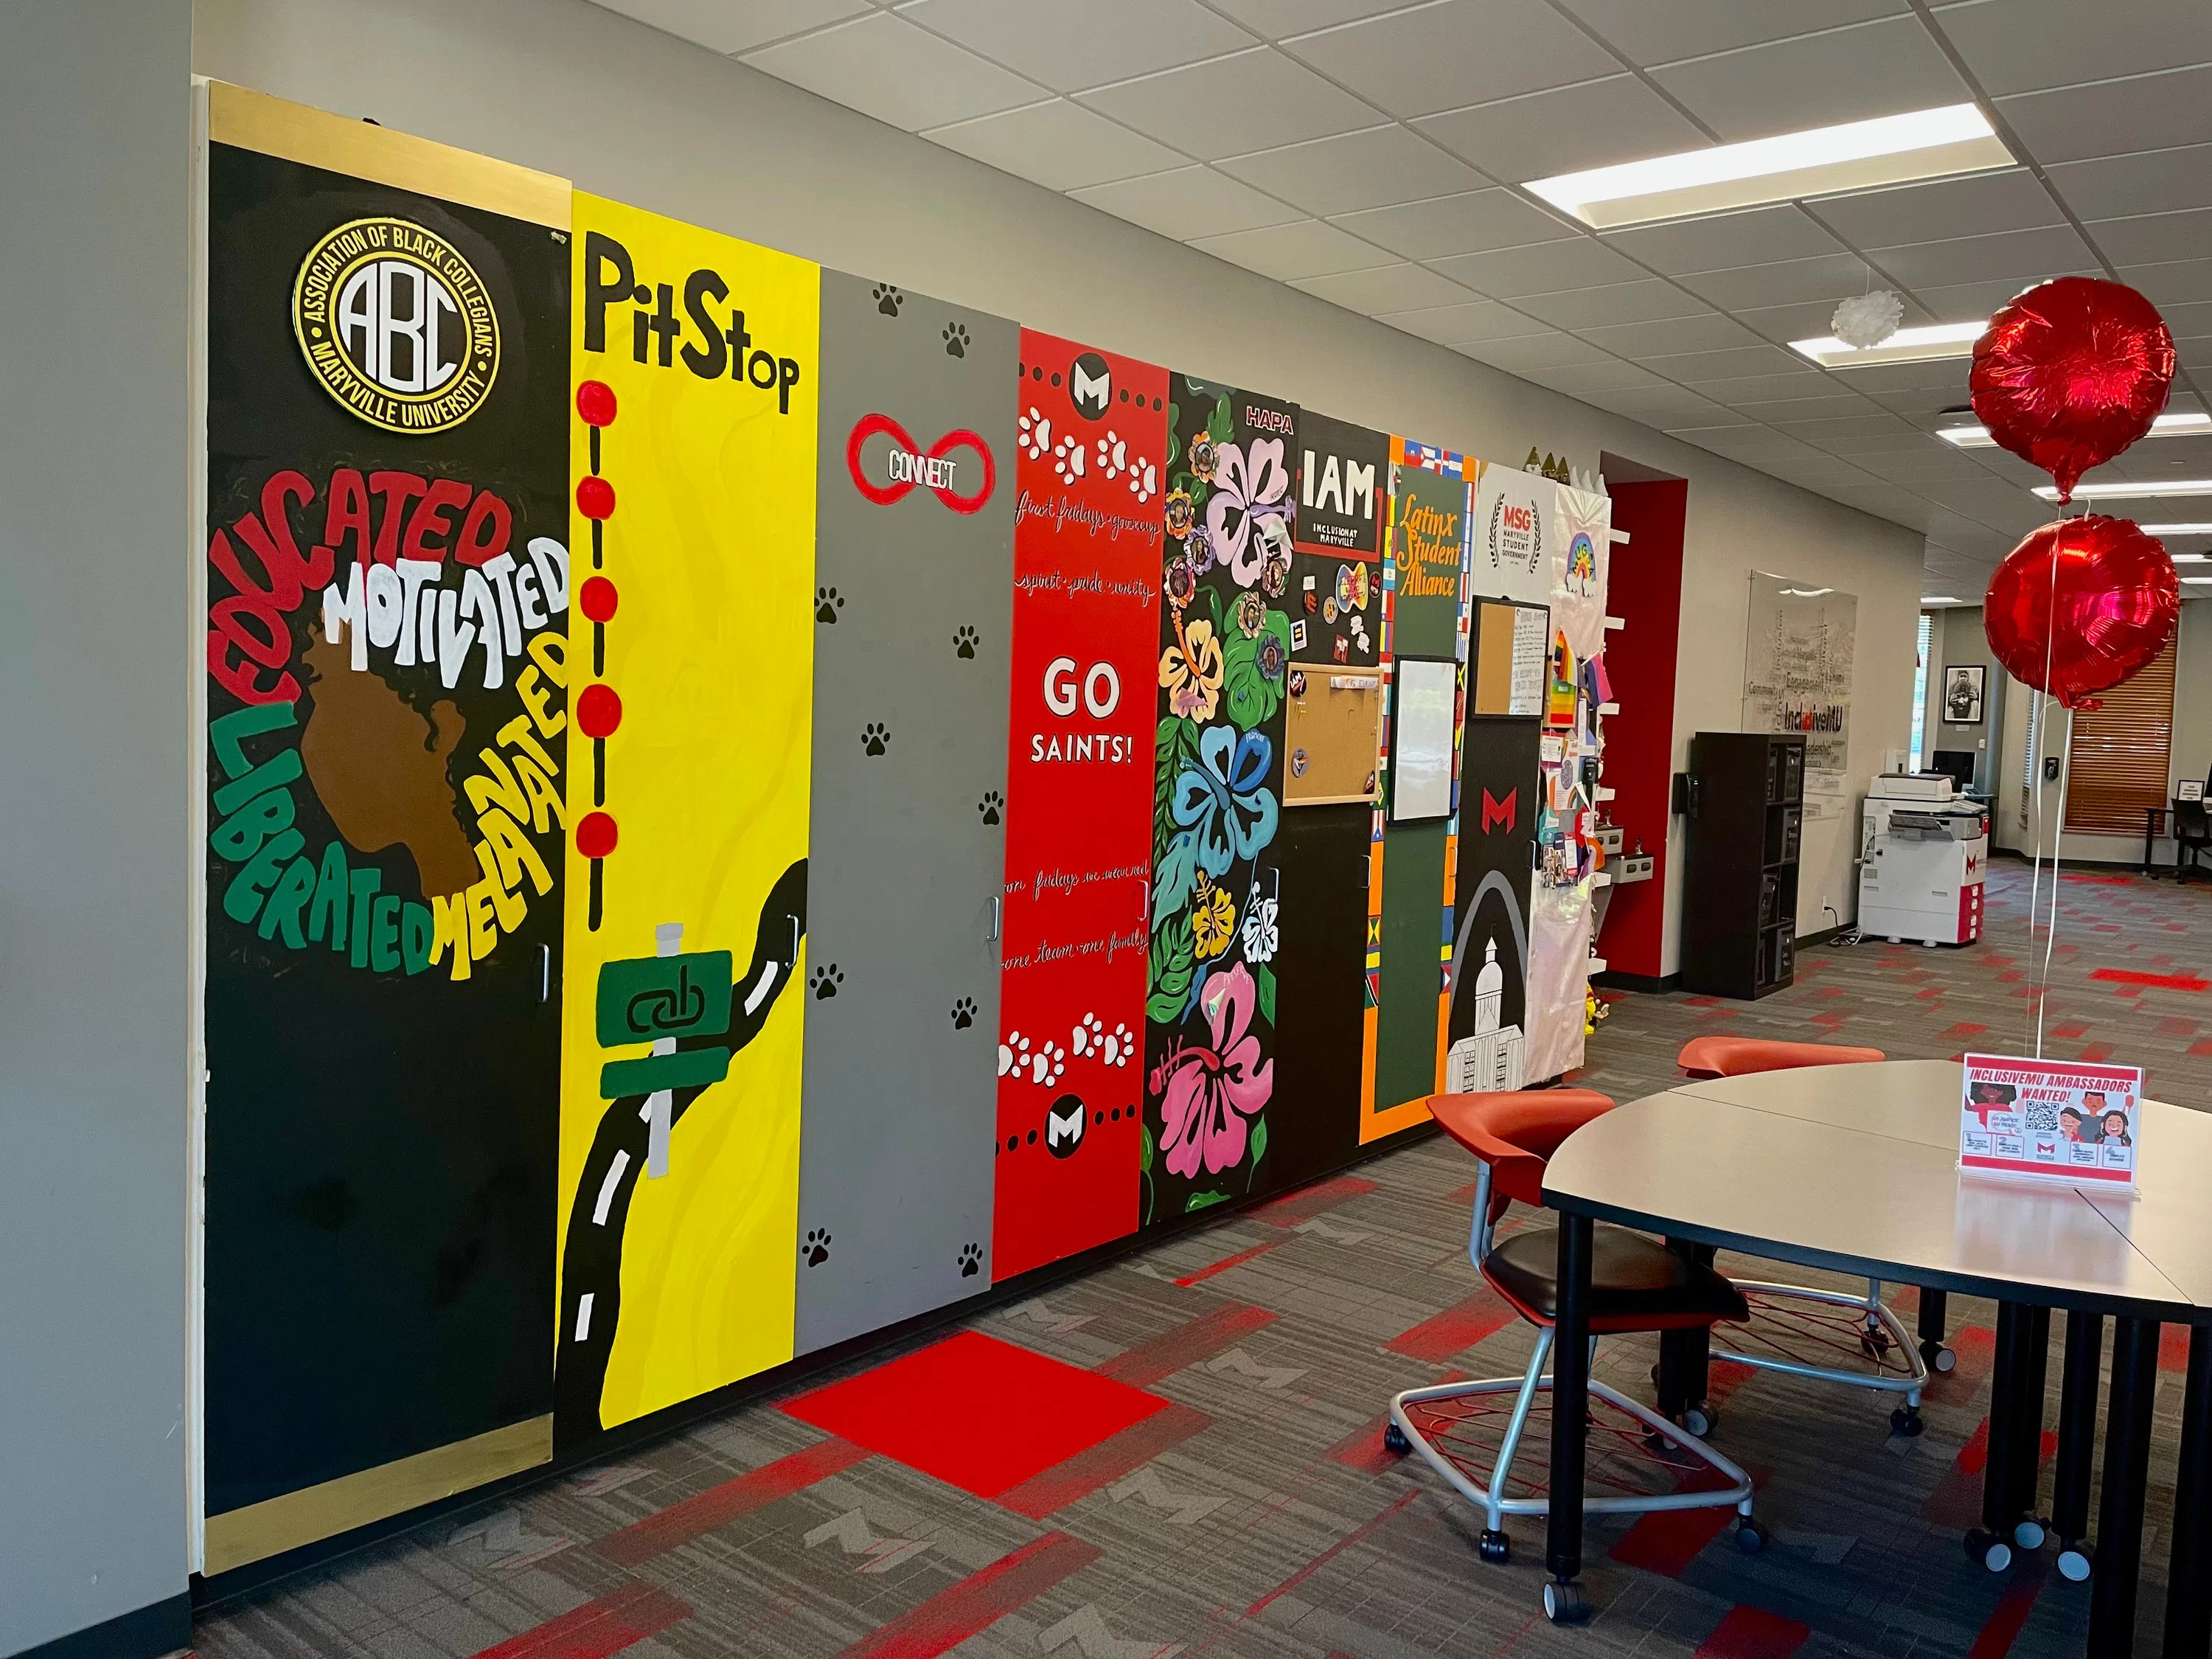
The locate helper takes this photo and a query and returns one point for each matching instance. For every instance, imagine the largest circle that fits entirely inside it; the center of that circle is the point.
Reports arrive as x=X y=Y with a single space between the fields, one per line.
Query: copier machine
x=1923 y=852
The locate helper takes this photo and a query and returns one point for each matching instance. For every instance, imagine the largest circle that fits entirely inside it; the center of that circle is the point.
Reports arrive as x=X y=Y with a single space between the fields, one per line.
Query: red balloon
x=2113 y=590
x=2070 y=373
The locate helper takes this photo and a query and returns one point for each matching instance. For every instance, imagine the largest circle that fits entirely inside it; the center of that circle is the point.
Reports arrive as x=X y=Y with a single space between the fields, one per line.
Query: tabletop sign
x=2052 y=1120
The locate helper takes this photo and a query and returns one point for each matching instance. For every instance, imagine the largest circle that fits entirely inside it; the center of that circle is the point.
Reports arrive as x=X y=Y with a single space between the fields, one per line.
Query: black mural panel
x=387 y=518
x=1319 y=865
x=1490 y=922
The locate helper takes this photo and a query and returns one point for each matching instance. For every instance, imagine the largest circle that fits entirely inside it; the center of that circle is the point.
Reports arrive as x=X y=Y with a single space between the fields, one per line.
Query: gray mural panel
x=907 y=860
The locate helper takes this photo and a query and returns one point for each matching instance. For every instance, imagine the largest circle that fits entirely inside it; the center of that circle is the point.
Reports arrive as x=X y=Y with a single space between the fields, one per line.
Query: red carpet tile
x=1202 y=1338
x=977 y=1602
x=1460 y=1326
x=1228 y=1261
x=978 y=1413
x=1996 y=1637
x=1317 y=1200
x=1749 y=1632
x=2160 y=982
x=618 y=1620
x=1096 y=1467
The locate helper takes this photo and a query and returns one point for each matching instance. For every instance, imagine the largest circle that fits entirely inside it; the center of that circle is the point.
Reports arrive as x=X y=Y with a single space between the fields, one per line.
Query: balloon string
x=2039 y=717
x=2057 y=839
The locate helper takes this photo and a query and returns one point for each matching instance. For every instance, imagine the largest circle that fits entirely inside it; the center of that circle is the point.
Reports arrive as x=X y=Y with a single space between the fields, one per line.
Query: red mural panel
x=1088 y=469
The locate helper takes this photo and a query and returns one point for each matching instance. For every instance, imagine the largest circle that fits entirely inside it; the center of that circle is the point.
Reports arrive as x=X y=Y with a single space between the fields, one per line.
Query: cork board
x=1333 y=733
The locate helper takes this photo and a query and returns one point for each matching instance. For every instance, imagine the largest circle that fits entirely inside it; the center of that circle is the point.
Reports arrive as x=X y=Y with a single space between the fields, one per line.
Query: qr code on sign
x=2042 y=1116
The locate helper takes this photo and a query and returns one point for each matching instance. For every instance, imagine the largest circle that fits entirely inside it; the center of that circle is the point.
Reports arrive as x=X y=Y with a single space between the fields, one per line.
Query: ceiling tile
x=1787 y=281
x=1739 y=389
x=1808 y=319
x=2113 y=118
x=1256 y=100
x=1478 y=319
x=1187 y=202
x=1058 y=144
x=1594 y=123
x=1273 y=19
x=1964 y=302
x=1580 y=379
x=2175 y=282
x=1821 y=428
x=720 y=26
x=1708 y=333
x=1879 y=379
x=2157 y=181
x=1692 y=366
x=1304 y=247
x=2154 y=237
x=2188 y=320
x=1854 y=74
x=1662 y=406
x=1450 y=53
x=1474 y=223
x=1977 y=206
x=1649 y=300
x=1754 y=446
x=1815 y=408
x=1729 y=239
x=2016 y=45
x=1660 y=31
x=882 y=66
x=2023 y=256
x=1507 y=273
x=1532 y=351
x=1377 y=168
x=1392 y=288
x=1068 y=44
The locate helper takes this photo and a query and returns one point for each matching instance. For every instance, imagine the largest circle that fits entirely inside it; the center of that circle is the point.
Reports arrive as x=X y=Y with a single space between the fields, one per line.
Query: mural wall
x=746 y=805
x=692 y=639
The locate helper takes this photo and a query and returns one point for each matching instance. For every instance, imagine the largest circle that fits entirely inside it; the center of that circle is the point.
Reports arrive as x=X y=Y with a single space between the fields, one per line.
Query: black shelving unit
x=1745 y=817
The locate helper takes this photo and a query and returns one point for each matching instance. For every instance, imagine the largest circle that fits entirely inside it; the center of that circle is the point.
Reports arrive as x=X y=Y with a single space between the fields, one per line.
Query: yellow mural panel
x=692 y=669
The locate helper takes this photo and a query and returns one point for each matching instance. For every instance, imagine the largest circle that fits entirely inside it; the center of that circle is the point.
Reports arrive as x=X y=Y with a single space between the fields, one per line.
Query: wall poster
x=1091 y=439
x=912 y=621
x=691 y=442
x=1798 y=647
x=1409 y=881
x=386 y=692
x=1218 y=785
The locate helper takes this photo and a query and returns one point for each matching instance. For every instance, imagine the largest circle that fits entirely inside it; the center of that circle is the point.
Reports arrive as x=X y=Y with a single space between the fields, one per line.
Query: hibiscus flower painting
x=1210 y=1004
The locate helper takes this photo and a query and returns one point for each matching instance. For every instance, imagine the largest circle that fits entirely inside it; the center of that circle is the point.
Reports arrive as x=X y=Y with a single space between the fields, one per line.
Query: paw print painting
x=956 y=339
x=1014 y=1052
x=990 y=806
x=971 y=1260
x=1048 y=1065
x=888 y=299
x=1089 y=1033
x=815 y=1247
x=963 y=1013
x=825 y=980
x=1144 y=482
x=1033 y=432
x=1068 y=459
x=828 y=602
x=875 y=737
x=965 y=639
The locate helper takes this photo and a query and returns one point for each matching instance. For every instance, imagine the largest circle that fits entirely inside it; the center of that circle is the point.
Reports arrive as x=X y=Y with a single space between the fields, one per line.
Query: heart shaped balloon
x=2112 y=590
x=2070 y=373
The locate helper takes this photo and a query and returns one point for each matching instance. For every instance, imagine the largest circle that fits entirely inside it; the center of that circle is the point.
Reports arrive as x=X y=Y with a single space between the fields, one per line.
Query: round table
x=1855 y=1169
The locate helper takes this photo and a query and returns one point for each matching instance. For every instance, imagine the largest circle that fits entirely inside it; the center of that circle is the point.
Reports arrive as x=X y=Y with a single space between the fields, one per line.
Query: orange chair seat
x=1734 y=1056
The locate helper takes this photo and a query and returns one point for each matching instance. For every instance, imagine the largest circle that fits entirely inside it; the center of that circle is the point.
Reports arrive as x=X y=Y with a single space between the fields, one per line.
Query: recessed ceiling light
x=1942 y=598
x=2189 y=558
x=2166 y=426
x=1891 y=149
x=2120 y=489
x=2179 y=530
x=2197 y=582
x=1907 y=345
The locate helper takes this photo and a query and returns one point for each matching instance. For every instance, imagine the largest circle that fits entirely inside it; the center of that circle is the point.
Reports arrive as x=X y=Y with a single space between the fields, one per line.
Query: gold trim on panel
x=314 y=137
x=276 y=1524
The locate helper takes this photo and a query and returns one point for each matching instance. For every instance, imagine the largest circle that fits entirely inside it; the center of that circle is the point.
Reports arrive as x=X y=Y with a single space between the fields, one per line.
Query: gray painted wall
x=96 y=653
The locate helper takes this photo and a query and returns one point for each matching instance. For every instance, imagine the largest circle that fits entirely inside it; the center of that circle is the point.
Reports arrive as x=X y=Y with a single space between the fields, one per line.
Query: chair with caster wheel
x=1636 y=1286
x=1800 y=1319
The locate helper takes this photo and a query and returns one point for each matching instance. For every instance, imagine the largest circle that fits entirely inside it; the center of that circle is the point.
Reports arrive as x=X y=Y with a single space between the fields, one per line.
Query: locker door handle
x=998 y=904
x=545 y=973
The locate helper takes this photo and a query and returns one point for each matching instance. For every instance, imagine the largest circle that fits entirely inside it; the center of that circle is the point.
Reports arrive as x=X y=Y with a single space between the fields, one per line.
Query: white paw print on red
x=1047 y=1064
x=1089 y=1035
x=1117 y=1045
x=1034 y=432
x=1144 y=481
x=1113 y=454
x=1068 y=459
x=1014 y=1052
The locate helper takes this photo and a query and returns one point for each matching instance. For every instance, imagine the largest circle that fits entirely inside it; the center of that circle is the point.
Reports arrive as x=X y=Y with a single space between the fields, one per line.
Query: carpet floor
x=1180 y=1454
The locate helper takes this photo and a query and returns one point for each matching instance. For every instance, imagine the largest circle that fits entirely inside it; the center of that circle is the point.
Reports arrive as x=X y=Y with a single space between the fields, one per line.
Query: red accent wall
x=1644 y=590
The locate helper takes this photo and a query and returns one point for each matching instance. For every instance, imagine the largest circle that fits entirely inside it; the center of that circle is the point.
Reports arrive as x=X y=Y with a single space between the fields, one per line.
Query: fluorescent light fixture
x=1907 y=345
x=1891 y=149
x=2122 y=488
x=2179 y=530
x=2189 y=558
x=2197 y=582
x=2166 y=426
x=1942 y=598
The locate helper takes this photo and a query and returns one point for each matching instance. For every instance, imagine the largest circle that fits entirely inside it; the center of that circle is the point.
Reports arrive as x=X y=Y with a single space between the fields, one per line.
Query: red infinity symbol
x=884 y=494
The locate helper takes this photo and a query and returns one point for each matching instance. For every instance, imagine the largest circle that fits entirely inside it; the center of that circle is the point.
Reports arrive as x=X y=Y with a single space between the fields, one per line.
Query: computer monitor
x=1956 y=764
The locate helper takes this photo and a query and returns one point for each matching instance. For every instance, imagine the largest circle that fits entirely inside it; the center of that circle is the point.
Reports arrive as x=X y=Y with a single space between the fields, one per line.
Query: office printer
x=1923 y=852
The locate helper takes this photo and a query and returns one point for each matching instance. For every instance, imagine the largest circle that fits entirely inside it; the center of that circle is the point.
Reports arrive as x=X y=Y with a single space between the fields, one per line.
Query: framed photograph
x=1962 y=695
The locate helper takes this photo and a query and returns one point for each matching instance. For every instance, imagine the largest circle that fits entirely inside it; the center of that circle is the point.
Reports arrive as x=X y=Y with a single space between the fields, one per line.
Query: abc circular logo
x=396 y=324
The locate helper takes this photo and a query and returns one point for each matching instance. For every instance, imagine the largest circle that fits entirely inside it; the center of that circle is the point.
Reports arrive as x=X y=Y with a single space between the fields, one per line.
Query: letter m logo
x=1496 y=812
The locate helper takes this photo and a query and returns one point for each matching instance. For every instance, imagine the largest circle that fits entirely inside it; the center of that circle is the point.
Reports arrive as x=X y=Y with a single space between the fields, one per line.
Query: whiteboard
x=1421 y=740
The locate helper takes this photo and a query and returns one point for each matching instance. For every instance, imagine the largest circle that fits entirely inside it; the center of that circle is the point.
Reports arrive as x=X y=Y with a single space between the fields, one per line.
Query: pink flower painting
x=1208 y=1094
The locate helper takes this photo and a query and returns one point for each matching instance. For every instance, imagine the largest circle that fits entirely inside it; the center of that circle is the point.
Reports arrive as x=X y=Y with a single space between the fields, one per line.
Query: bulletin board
x=1334 y=728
